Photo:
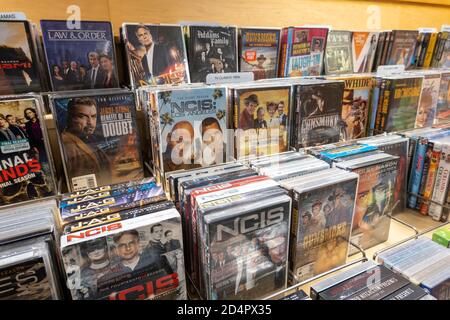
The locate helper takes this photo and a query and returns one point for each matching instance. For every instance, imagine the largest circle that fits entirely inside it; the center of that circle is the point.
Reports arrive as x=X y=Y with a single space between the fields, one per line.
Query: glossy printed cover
x=356 y=105
x=324 y=221
x=305 y=51
x=136 y=259
x=212 y=49
x=403 y=46
x=192 y=127
x=81 y=58
x=26 y=167
x=18 y=59
x=98 y=138
x=443 y=105
x=27 y=280
x=259 y=51
x=338 y=53
x=403 y=103
x=247 y=251
x=155 y=54
x=319 y=114
x=262 y=117
x=428 y=100
x=364 y=47
x=375 y=201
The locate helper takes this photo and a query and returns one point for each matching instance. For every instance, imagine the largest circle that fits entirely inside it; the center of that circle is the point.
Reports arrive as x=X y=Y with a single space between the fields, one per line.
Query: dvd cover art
x=25 y=280
x=18 y=60
x=428 y=100
x=443 y=104
x=26 y=169
x=443 y=51
x=247 y=258
x=136 y=259
x=338 y=53
x=323 y=229
x=258 y=52
x=403 y=46
x=262 y=114
x=99 y=139
x=306 y=47
x=364 y=47
x=192 y=127
x=355 y=105
x=80 y=58
x=403 y=104
x=211 y=50
x=156 y=54
x=375 y=201
x=320 y=114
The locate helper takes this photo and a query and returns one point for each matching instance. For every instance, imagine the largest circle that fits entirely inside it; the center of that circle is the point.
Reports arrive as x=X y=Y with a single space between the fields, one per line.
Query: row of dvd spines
x=212 y=49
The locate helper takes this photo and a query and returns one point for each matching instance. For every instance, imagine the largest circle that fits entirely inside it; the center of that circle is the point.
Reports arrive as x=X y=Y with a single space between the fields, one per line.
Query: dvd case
x=156 y=54
x=82 y=58
x=338 y=52
x=259 y=52
x=98 y=137
x=318 y=113
x=323 y=212
x=211 y=49
x=19 y=71
x=262 y=118
x=364 y=46
x=27 y=171
x=134 y=259
x=356 y=104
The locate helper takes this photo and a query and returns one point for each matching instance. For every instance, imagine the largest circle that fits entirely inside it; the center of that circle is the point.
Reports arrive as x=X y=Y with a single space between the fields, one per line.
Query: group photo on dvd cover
x=223 y=156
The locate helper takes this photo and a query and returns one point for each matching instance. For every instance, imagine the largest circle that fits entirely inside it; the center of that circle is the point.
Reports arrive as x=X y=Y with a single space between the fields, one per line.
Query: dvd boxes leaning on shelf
x=98 y=137
x=187 y=127
x=302 y=51
x=324 y=204
x=130 y=259
x=259 y=52
x=211 y=49
x=262 y=115
x=318 y=109
x=29 y=264
x=356 y=104
x=364 y=46
x=423 y=262
x=338 y=52
x=19 y=71
x=81 y=58
x=156 y=54
x=375 y=196
x=26 y=164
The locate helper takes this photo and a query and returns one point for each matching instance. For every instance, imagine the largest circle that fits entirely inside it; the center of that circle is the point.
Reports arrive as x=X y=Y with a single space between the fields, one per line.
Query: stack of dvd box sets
x=185 y=186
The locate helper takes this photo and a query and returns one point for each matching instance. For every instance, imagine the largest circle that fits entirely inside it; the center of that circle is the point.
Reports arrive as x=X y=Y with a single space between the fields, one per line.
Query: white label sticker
x=14 y=146
x=84 y=182
x=305 y=272
x=445 y=28
x=427 y=30
x=391 y=70
x=12 y=16
x=230 y=77
x=356 y=240
x=327 y=26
